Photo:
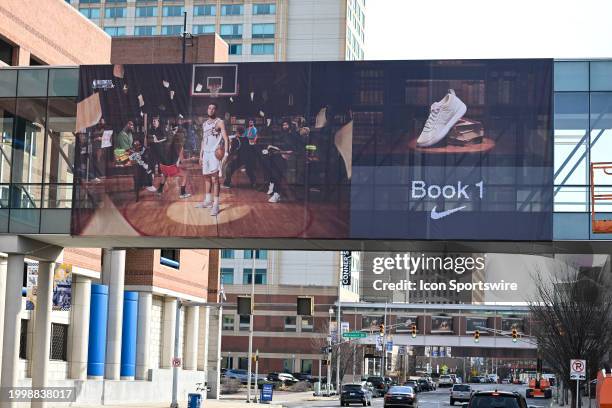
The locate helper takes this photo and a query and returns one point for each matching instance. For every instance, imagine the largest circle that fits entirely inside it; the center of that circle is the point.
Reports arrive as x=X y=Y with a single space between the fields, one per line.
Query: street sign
x=176 y=362
x=344 y=327
x=401 y=350
x=354 y=335
x=379 y=343
x=578 y=370
x=389 y=346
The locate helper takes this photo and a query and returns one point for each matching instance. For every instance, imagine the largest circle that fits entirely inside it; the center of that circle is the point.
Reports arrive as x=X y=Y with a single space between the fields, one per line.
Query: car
x=380 y=387
x=424 y=385
x=459 y=380
x=355 y=394
x=506 y=381
x=495 y=399
x=477 y=380
x=285 y=378
x=454 y=377
x=445 y=381
x=413 y=384
x=461 y=393
x=304 y=377
x=400 y=396
x=432 y=383
x=241 y=375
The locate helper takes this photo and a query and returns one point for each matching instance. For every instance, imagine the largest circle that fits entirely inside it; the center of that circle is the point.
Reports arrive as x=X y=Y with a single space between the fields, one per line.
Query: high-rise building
x=256 y=30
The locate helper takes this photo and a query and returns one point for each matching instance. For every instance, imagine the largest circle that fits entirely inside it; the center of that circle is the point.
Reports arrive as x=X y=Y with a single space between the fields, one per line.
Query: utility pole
x=176 y=355
x=329 y=351
x=384 y=345
x=256 y=372
x=184 y=35
x=338 y=324
x=250 y=370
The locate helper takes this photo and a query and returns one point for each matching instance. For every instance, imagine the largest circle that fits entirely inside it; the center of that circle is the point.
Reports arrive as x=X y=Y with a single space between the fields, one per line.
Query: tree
x=571 y=316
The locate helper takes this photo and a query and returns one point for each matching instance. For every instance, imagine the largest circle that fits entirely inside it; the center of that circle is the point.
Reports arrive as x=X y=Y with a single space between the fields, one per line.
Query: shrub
x=230 y=386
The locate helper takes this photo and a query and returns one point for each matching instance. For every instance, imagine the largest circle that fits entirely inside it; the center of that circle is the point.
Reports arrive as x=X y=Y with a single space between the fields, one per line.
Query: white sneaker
x=151 y=189
x=204 y=204
x=442 y=117
x=275 y=198
x=270 y=189
x=214 y=210
x=186 y=195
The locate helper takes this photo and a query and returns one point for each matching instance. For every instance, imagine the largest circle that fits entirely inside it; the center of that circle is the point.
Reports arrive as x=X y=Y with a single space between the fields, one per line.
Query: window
x=170 y=257
x=231 y=10
x=59 y=341
x=307 y=324
x=306 y=367
x=259 y=254
x=245 y=323
x=228 y=322
x=114 y=12
x=290 y=323
x=90 y=13
x=23 y=339
x=263 y=31
x=227 y=362
x=264 y=9
x=235 y=49
x=229 y=31
x=227 y=276
x=260 y=276
x=144 y=30
x=89 y=1
x=146 y=11
x=204 y=29
x=173 y=11
x=243 y=363
x=227 y=253
x=115 y=31
x=288 y=365
x=116 y=1
x=205 y=10
x=262 y=49
x=172 y=30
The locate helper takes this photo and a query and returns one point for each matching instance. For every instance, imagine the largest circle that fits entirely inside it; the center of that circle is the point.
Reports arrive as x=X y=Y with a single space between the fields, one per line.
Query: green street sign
x=354 y=335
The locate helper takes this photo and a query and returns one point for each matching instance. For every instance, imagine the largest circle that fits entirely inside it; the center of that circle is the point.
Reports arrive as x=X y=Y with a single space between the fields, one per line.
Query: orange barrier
x=604 y=390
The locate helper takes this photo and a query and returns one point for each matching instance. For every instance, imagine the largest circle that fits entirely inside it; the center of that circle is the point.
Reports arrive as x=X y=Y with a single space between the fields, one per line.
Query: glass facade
x=37 y=148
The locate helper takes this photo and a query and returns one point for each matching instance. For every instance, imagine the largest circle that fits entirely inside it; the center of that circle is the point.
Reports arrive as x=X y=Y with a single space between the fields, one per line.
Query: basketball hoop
x=214 y=85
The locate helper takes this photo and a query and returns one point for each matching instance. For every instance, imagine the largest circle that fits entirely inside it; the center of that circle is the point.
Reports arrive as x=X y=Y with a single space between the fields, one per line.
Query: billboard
x=441 y=324
x=327 y=150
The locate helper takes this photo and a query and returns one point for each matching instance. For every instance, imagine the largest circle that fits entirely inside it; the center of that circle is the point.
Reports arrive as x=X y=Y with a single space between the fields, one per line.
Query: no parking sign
x=578 y=370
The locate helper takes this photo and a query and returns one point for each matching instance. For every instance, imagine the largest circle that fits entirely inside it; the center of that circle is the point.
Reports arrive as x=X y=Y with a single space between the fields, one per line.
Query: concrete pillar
x=192 y=318
x=143 y=336
x=12 y=324
x=113 y=275
x=214 y=353
x=3 y=265
x=168 y=332
x=203 y=344
x=78 y=332
x=42 y=329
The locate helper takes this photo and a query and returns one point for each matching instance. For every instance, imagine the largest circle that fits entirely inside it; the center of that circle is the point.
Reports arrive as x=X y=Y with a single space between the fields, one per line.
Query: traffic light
x=514 y=335
x=476 y=336
x=381 y=330
x=245 y=306
x=414 y=331
x=305 y=306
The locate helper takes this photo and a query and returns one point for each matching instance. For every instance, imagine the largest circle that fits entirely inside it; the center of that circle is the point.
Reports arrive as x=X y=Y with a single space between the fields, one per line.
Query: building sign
x=441 y=324
x=475 y=323
x=367 y=150
x=346 y=267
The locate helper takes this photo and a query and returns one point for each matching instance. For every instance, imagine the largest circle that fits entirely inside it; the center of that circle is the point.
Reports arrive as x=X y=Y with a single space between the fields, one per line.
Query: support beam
x=42 y=329
x=168 y=332
x=113 y=274
x=78 y=332
x=143 y=336
x=192 y=317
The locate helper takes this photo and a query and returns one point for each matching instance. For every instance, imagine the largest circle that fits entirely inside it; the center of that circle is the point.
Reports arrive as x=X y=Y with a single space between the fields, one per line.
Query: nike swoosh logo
x=437 y=215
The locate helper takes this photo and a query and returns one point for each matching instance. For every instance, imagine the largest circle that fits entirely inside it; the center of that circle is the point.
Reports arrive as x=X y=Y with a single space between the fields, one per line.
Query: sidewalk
x=280 y=397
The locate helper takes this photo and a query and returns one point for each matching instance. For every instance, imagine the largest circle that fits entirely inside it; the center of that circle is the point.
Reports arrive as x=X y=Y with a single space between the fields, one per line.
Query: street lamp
x=329 y=350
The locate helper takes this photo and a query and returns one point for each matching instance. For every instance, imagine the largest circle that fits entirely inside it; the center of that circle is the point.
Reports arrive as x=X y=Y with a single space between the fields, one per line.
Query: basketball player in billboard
x=214 y=150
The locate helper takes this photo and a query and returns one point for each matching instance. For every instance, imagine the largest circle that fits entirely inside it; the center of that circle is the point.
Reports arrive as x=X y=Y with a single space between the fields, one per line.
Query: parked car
x=414 y=385
x=454 y=377
x=490 y=399
x=432 y=383
x=506 y=381
x=477 y=379
x=461 y=393
x=400 y=396
x=355 y=394
x=459 y=380
x=284 y=378
x=304 y=377
x=379 y=385
x=445 y=381
x=242 y=376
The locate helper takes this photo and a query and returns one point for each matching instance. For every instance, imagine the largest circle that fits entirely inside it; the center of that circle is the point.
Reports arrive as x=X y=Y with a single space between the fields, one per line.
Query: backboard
x=214 y=80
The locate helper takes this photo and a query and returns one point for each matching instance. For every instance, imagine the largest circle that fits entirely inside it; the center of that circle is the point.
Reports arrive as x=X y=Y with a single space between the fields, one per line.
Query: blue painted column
x=128 y=339
x=98 y=318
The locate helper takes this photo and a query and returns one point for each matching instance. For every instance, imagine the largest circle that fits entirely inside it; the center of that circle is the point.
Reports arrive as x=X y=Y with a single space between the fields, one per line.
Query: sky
x=440 y=29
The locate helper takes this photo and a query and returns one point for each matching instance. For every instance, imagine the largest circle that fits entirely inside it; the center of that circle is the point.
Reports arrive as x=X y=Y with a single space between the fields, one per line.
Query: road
x=434 y=399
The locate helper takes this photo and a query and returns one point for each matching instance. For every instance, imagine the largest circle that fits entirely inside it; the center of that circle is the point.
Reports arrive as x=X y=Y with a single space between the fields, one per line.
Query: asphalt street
x=433 y=399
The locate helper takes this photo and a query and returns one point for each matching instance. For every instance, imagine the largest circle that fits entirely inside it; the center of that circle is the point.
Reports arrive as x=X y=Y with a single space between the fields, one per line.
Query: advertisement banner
x=441 y=324
x=32 y=285
x=475 y=323
x=405 y=323
x=457 y=149
x=507 y=324
x=62 y=287
x=371 y=323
